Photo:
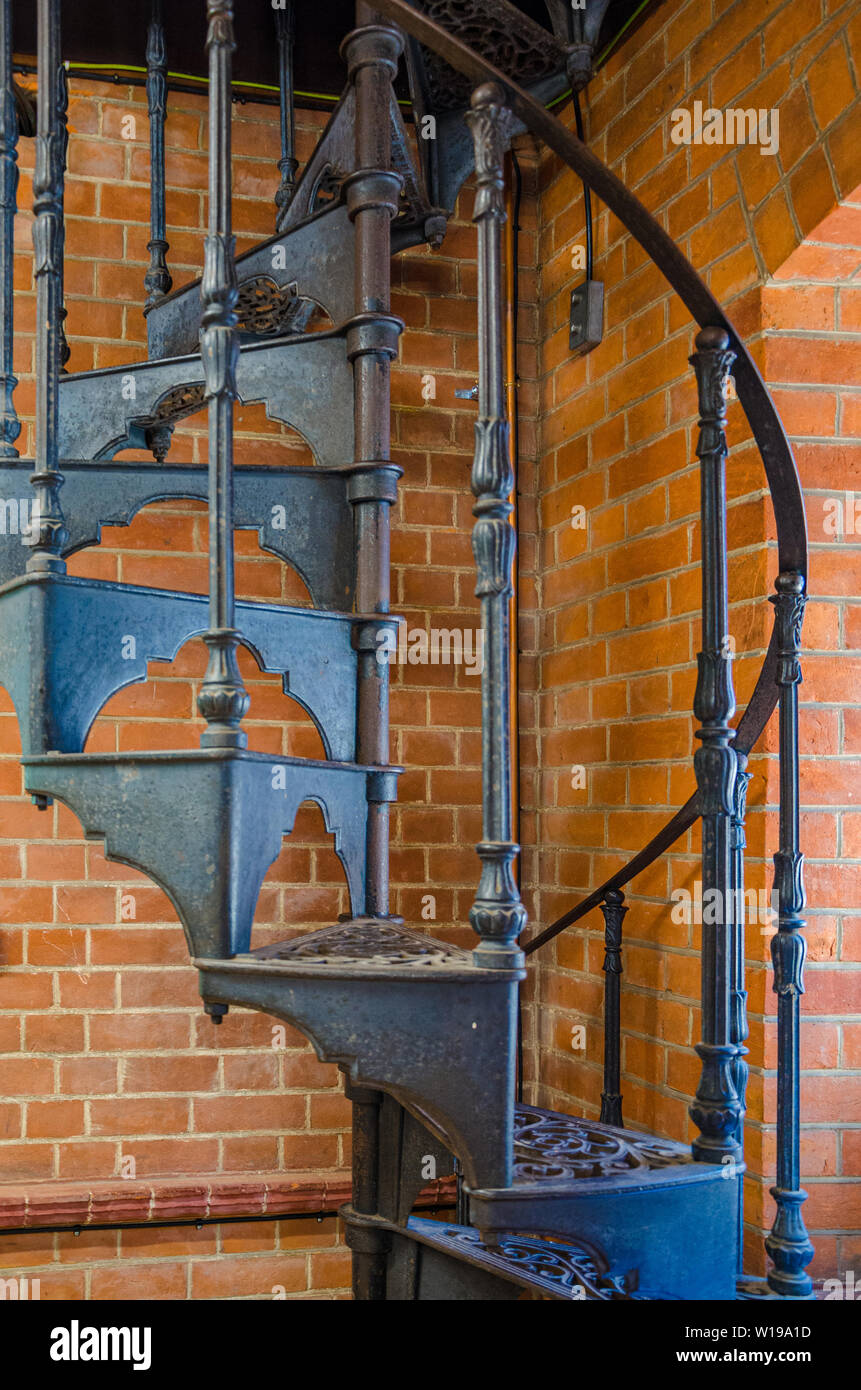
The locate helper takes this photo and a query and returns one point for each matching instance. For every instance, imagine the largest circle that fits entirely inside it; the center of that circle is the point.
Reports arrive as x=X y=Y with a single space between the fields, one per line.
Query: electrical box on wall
x=586 y=322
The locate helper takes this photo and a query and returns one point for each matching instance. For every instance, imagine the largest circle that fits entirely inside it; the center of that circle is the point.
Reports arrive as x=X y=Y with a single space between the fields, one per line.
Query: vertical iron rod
x=10 y=426
x=497 y=915
x=738 y=994
x=716 y=1110
x=157 y=281
x=285 y=29
x=48 y=532
x=222 y=700
x=788 y=1244
x=611 y=1097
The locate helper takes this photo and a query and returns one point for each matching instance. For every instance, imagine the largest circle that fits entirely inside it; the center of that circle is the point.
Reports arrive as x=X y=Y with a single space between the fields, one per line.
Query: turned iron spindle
x=716 y=1111
x=222 y=700
x=10 y=425
x=614 y=911
x=62 y=150
x=48 y=532
x=497 y=915
x=157 y=281
x=738 y=994
x=788 y=1244
x=285 y=30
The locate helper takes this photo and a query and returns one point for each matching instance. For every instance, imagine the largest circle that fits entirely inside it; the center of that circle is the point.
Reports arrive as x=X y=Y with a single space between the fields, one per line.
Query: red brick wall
x=620 y=598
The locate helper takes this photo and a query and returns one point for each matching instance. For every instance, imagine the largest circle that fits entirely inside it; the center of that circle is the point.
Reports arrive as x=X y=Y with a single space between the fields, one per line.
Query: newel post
x=716 y=1110
x=788 y=1244
x=497 y=915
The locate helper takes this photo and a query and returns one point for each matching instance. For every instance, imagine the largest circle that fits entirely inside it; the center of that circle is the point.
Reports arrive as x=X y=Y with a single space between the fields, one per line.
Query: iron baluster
x=285 y=29
x=157 y=281
x=10 y=425
x=497 y=915
x=222 y=700
x=738 y=994
x=611 y=1097
x=716 y=1111
x=788 y=1244
x=62 y=150
x=48 y=531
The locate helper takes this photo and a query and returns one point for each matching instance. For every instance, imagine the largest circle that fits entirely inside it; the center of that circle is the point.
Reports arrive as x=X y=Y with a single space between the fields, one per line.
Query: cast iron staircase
x=425 y=1032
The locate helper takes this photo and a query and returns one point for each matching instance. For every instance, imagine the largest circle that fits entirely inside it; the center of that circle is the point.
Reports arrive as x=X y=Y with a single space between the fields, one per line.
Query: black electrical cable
x=587 y=192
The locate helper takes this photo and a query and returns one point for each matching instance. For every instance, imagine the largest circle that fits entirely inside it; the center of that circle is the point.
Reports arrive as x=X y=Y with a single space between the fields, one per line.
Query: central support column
x=371 y=52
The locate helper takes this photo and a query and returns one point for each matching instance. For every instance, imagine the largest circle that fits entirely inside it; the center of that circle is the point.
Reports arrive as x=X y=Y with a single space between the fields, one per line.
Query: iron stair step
x=282 y=504
x=206 y=824
x=553 y=1269
x=67 y=645
x=640 y=1199
x=309 y=264
x=399 y=1011
x=304 y=381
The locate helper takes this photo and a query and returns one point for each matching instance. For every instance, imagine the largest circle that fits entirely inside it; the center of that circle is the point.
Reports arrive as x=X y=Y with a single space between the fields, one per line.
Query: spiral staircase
x=549 y=1206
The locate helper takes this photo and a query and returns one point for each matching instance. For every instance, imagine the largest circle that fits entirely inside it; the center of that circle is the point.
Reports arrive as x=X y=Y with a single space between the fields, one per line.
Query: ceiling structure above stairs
x=424 y=1032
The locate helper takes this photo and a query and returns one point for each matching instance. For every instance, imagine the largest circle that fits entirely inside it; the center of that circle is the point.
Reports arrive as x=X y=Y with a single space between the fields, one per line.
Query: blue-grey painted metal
x=67 y=645
x=402 y=1013
x=315 y=256
x=305 y=382
x=497 y=915
x=716 y=1110
x=157 y=281
x=788 y=1244
x=10 y=426
x=739 y=1029
x=207 y=824
x=283 y=505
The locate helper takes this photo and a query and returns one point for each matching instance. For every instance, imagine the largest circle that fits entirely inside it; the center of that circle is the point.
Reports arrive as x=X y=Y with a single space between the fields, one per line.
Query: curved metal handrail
x=781 y=473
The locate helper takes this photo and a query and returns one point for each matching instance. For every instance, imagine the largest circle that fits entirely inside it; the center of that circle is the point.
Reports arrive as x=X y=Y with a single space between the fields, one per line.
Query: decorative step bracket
x=207 y=824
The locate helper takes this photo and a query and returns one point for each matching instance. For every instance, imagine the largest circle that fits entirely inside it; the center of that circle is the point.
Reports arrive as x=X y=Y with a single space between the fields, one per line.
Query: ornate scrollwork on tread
x=268 y=309
x=365 y=942
x=327 y=187
x=557 y=1267
x=548 y=1145
x=179 y=402
x=500 y=33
